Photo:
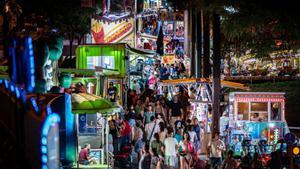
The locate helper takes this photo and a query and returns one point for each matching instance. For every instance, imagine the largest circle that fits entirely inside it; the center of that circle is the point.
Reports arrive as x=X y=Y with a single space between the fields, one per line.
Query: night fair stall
x=92 y=113
x=257 y=121
x=108 y=63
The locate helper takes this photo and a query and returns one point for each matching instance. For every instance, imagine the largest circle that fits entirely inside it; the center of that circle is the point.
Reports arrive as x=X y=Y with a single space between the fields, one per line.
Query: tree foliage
x=259 y=26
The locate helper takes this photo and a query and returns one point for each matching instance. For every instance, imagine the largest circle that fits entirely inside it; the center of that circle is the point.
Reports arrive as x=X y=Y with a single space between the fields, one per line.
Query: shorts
x=215 y=162
x=170 y=161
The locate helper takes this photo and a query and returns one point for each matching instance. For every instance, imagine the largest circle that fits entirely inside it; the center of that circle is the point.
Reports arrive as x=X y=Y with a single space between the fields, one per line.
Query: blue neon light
x=50 y=120
x=6 y=84
x=44 y=141
x=49 y=110
x=44 y=149
x=31 y=71
x=1 y=81
x=17 y=92
x=44 y=158
x=12 y=88
x=34 y=104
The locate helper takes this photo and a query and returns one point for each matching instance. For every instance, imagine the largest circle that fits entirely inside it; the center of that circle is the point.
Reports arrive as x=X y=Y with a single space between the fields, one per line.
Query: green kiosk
x=97 y=65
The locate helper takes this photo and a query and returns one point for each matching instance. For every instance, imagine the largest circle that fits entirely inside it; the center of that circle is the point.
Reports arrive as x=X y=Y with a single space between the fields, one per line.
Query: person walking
x=170 y=150
x=186 y=150
x=216 y=147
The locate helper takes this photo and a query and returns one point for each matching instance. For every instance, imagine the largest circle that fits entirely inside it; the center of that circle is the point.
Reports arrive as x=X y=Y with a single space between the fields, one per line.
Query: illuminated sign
x=113 y=32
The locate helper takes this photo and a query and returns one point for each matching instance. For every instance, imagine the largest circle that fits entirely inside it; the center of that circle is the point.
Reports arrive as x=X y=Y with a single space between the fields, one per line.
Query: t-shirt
x=217 y=146
x=83 y=155
x=178 y=137
x=176 y=109
x=149 y=127
x=112 y=92
x=157 y=146
x=193 y=136
x=170 y=146
x=148 y=116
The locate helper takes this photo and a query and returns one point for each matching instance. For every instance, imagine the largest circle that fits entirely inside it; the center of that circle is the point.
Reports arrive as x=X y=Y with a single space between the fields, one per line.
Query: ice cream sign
x=113 y=32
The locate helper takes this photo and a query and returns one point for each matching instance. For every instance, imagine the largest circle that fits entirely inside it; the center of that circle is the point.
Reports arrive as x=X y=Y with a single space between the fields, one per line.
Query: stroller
x=123 y=159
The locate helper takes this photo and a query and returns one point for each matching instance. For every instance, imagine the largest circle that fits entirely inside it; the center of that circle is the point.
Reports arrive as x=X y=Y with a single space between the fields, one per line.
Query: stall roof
x=204 y=80
x=140 y=51
x=91 y=104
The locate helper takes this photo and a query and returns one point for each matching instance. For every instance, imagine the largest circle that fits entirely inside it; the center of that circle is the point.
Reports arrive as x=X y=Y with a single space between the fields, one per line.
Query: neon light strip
x=50 y=120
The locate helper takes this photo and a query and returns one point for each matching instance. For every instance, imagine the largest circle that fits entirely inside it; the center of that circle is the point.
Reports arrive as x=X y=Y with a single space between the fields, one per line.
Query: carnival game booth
x=199 y=92
x=92 y=113
x=257 y=121
x=35 y=121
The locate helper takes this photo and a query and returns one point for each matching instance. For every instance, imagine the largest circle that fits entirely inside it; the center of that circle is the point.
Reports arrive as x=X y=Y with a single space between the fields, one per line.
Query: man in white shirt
x=216 y=147
x=170 y=150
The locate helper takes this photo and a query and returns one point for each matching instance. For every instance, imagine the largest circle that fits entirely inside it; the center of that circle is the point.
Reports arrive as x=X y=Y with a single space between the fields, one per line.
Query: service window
x=243 y=111
x=259 y=111
x=259 y=106
x=276 y=111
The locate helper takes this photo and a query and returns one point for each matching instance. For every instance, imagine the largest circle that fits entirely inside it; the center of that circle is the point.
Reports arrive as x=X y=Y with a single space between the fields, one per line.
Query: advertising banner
x=120 y=31
x=168 y=59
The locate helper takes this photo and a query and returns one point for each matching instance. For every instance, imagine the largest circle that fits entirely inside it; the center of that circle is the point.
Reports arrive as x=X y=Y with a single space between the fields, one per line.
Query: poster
x=168 y=59
x=120 y=31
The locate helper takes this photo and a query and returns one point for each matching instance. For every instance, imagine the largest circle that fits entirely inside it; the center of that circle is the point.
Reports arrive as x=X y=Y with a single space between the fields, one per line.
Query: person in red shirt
x=125 y=132
x=84 y=157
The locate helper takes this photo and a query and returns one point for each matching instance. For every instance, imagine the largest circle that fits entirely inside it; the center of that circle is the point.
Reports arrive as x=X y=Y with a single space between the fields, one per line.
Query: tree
x=66 y=16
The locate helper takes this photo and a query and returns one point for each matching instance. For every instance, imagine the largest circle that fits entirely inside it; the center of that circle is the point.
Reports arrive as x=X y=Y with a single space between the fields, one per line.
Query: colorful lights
x=44 y=158
x=296 y=150
x=6 y=83
x=49 y=111
x=31 y=71
x=271 y=125
x=50 y=120
x=44 y=149
x=34 y=104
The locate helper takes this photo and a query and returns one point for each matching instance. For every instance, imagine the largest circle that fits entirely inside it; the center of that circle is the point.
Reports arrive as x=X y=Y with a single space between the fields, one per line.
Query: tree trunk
x=199 y=44
x=193 y=63
x=206 y=47
x=216 y=72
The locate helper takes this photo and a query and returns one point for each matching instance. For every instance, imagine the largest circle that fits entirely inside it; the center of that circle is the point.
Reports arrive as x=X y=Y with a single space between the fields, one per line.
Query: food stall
x=91 y=114
x=103 y=63
x=257 y=116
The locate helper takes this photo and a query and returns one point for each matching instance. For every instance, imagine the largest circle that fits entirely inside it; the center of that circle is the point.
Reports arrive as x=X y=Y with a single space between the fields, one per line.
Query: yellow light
x=296 y=150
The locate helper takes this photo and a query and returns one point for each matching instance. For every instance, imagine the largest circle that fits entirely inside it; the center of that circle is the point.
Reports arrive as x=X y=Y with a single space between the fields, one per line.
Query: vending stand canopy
x=91 y=104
